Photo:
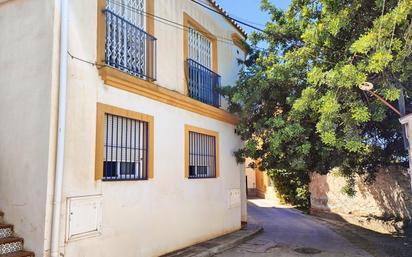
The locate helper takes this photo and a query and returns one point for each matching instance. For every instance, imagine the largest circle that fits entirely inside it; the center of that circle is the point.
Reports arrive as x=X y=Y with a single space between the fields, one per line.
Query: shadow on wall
x=384 y=206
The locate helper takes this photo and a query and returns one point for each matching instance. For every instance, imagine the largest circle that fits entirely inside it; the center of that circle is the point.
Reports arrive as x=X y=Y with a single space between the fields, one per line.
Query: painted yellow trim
x=101 y=32
x=101 y=110
x=150 y=90
x=146 y=88
x=212 y=133
x=233 y=23
x=190 y=22
x=101 y=28
x=150 y=27
x=239 y=42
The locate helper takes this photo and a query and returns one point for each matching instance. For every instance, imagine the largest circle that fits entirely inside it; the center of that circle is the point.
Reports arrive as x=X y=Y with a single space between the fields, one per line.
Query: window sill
x=191 y=178
x=122 y=80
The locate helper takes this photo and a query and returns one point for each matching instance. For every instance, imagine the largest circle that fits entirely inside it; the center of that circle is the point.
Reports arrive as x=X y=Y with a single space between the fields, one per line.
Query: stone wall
x=387 y=199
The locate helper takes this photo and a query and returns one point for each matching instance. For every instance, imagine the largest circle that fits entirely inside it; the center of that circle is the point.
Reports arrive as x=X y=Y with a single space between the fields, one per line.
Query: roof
x=226 y=15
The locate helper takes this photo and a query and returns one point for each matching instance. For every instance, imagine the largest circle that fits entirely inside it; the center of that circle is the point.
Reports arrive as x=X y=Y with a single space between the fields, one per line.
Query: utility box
x=84 y=217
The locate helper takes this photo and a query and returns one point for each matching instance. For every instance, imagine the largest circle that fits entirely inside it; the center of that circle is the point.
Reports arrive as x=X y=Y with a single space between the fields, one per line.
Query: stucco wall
x=26 y=45
x=170 y=43
x=144 y=218
x=389 y=196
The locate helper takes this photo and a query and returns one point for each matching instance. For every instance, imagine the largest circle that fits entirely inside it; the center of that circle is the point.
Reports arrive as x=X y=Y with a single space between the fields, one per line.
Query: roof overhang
x=227 y=17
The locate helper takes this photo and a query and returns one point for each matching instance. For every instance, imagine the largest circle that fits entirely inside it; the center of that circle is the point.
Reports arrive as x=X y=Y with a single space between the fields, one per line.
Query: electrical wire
x=159 y=19
x=236 y=20
x=177 y=25
x=99 y=66
x=237 y=17
x=168 y=22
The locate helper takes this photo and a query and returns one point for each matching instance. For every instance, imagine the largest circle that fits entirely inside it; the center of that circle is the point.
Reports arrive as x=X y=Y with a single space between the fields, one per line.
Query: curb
x=219 y=244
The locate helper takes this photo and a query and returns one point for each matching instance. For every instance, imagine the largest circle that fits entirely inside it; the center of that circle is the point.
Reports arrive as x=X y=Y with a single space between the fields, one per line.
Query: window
x=239 y=45
x=124 y=144
x=200 y=53
x=131 y=10
x=126 y=40
x=200 y=48
x=201 y=153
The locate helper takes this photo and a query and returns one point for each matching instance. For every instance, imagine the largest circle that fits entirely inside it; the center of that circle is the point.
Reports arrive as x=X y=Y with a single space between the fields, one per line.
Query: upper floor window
x=124 y=141
x=133 y=11
x=129 y=45
x=200 y=49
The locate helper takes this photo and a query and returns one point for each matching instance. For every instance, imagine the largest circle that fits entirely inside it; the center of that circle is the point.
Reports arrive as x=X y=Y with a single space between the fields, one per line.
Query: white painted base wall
x=26 y=46
x=139 y=218
x=168 y=212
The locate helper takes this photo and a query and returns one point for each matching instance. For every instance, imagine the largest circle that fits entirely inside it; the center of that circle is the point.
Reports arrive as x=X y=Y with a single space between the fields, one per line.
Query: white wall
x=26 y=45
x=145 y=218
x=251 y=174
x=170 y=58
x=163 y=214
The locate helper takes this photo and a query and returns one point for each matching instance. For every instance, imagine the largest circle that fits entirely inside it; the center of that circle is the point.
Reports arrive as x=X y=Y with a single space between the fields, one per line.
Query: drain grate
x=307 y=250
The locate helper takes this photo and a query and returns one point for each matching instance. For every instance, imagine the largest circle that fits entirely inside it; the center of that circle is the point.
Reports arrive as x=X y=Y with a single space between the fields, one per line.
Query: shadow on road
x=376 y=244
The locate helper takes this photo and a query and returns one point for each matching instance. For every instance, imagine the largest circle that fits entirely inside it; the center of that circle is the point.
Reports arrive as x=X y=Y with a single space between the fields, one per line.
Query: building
x=143 y=159
x=258 y=182
x=406 y=121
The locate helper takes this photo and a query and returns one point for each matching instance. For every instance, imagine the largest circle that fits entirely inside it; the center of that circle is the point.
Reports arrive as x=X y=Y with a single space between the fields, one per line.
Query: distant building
x=259 y=184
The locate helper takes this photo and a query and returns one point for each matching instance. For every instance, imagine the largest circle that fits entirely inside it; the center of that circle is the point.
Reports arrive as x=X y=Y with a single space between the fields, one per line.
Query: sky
x=249 y=11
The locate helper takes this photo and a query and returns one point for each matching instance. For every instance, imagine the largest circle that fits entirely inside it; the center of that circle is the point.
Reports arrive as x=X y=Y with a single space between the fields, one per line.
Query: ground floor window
x=201 y=153
x=124 y=147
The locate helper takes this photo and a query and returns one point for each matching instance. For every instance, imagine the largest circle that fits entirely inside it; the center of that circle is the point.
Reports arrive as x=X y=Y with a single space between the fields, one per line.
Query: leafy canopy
x=299 y=100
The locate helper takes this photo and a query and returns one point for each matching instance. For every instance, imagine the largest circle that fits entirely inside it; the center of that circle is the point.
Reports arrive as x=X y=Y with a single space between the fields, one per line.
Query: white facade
x=133 y=218
x=407 y=122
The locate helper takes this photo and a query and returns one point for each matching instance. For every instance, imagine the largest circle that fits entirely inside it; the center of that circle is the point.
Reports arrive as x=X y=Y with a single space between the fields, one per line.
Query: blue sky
x=249 y=11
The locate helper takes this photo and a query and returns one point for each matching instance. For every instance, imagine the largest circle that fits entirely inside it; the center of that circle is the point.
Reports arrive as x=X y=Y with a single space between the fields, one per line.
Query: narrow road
x=288 y=232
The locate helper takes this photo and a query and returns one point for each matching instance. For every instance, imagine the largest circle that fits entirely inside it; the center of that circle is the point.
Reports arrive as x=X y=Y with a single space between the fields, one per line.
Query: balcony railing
x=129 y=48
x=203 y=83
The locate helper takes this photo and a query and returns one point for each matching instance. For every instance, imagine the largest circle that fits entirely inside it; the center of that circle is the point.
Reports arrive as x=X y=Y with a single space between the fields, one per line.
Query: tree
x=299 y=102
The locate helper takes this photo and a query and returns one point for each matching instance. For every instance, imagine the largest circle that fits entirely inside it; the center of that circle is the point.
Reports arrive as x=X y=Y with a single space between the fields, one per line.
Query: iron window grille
x=125 y=148
x=128 y=47
x=203 y=83
x=202 y=156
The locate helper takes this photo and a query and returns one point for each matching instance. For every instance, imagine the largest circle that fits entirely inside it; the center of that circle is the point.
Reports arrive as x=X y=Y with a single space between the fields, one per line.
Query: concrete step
x=18 y=254
x=6 y=230
x=11 y=245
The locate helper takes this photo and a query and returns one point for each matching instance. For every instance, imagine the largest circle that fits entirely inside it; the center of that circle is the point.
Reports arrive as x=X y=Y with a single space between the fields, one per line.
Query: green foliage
x=299 y=104
x=292 y=186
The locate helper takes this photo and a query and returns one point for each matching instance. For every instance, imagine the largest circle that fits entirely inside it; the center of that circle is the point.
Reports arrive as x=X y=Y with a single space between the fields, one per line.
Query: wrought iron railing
x=129 y=48
x=125 y=149
x=202 y=155
x=203 y=83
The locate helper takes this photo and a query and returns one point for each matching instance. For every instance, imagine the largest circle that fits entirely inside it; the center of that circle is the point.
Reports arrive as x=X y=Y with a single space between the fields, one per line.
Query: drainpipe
x=58 y=179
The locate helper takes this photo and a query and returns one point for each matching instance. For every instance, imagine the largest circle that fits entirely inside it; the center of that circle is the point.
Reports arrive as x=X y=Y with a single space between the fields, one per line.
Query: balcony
x=129 y=48
x=203 y=83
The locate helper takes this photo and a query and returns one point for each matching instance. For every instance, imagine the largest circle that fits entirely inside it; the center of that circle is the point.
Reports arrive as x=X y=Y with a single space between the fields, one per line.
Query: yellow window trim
x=238 y=41
x=124 y=81
x=102 y=109
x=190 y=22
x=212 y=133
x=101 y=28
x=150 y=90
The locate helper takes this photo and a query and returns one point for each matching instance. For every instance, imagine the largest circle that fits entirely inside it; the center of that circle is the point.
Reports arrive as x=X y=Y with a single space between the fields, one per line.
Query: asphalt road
x=288 y=232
